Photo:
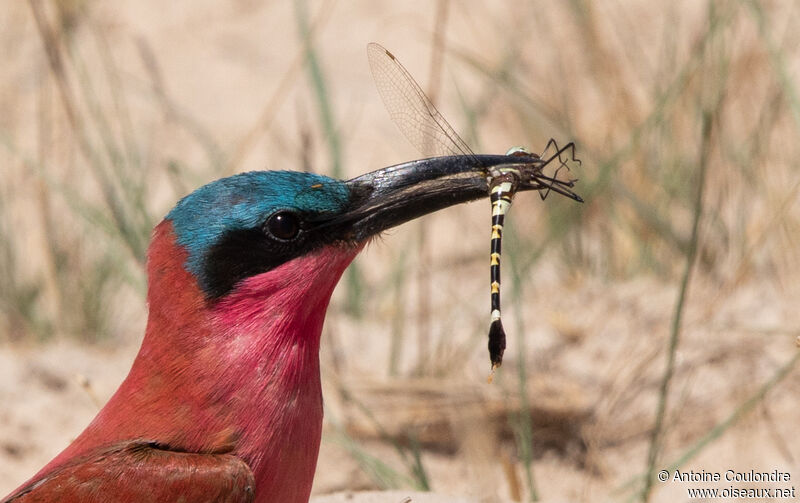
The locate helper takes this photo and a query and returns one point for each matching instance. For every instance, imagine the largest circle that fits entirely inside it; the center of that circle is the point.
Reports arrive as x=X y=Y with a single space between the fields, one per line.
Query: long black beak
x=391 y=196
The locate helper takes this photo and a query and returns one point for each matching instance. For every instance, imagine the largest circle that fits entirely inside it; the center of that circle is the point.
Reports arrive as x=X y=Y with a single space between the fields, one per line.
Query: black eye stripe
x=241 y=253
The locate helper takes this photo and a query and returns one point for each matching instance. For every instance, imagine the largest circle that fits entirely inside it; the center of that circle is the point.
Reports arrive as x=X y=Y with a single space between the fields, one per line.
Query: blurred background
x=653 y=327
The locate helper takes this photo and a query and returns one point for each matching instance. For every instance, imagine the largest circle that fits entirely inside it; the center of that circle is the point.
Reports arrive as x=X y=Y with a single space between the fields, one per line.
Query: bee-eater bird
x=223 y=401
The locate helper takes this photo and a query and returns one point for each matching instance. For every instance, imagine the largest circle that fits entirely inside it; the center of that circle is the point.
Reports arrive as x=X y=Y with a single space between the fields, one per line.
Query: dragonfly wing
x=410 y=108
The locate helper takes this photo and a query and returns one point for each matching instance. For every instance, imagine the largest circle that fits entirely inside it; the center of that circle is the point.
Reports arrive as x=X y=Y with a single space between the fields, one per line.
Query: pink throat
x=270 y=326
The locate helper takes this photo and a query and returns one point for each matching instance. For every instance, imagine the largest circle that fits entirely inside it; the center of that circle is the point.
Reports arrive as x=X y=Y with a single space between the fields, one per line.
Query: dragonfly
x=427 y=130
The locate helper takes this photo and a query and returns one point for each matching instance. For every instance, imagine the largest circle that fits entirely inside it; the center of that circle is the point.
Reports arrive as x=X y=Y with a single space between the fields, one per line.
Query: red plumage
x=221 y=394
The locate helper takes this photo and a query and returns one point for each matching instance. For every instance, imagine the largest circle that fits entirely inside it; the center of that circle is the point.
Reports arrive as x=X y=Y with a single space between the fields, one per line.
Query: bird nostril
x=283 y=225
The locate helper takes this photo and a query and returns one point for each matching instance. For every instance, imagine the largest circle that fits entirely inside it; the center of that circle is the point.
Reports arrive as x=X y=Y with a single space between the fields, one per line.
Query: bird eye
x=283 y=225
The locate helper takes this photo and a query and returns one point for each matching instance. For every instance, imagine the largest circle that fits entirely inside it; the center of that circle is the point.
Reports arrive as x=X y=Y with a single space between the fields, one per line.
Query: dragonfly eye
x=520 y=151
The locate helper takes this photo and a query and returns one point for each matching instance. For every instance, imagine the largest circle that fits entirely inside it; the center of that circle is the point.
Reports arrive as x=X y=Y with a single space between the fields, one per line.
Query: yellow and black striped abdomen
x=501 y=193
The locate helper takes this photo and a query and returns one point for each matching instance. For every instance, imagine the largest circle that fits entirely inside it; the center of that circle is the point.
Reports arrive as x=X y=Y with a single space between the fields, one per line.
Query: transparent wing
x=410 y=109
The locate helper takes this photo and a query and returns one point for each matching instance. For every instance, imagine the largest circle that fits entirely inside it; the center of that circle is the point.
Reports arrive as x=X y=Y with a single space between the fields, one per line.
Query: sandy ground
x=389 y=496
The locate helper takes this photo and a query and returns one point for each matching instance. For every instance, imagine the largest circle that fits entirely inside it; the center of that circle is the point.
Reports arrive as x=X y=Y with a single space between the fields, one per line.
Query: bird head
x=249 y=224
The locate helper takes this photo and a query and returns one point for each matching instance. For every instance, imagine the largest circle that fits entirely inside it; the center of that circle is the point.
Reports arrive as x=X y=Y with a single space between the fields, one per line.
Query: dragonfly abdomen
x=502 y=189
